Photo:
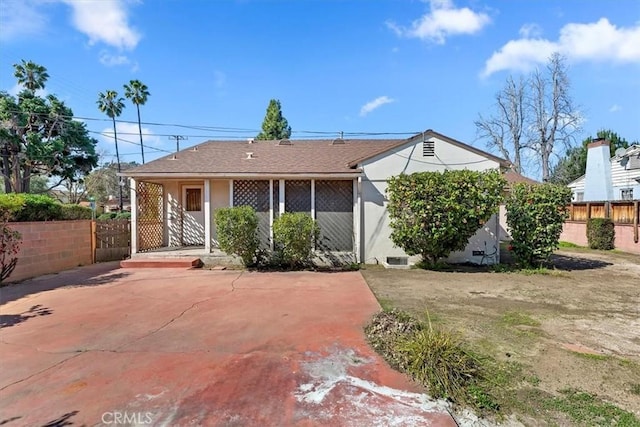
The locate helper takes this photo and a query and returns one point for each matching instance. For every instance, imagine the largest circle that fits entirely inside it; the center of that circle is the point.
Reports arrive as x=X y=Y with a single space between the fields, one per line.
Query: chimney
x=598 y=185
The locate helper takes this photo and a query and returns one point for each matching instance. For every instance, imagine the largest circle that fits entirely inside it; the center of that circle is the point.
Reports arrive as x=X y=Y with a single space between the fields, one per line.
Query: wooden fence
x=111 y=240
x=621 y=212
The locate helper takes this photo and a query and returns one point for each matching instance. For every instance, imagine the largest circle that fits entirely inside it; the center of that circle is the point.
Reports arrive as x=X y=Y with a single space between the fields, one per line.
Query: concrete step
x=182 y=262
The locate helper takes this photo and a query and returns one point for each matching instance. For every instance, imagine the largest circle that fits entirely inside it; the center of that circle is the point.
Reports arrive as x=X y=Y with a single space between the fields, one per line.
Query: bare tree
x=554 y=116
x=532 y=115
x=504 y=129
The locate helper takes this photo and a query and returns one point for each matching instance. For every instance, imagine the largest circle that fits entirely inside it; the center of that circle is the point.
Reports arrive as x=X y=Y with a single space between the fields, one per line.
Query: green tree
x=30 y=75
x=274 y=126
x=112 y=105
x=38 y=136
x=433 y=213
x=138 y=93
x=536 y=214
x=574 y=163
x=103 y=182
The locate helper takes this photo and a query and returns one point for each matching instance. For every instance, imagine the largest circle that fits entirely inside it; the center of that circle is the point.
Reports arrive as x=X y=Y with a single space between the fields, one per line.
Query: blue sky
x=352 y=65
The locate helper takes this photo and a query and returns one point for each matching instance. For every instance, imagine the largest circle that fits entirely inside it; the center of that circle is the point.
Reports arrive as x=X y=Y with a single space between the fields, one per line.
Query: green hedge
x=35 y=207
x=294 y=234
x=601 y=233
x=237 y=232
x=73 y=212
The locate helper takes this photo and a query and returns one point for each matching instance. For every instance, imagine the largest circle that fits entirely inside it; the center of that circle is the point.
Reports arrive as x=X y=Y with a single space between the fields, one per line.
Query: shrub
x=73 y=212
x=600 y=233
x=237 y=232
x=10 y=241
x=33 y=207
x=123 y=215
x=438 y=359
x=10 y=205
x=295 y=234
x=106 y=216
x=536 y=214
x=433 y=213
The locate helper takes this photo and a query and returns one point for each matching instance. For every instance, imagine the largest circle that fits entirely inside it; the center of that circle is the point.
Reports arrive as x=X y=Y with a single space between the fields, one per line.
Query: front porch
x=175 y=217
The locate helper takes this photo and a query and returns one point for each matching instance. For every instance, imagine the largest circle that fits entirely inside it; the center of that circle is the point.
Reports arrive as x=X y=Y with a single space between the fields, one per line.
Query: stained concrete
x=108 y=346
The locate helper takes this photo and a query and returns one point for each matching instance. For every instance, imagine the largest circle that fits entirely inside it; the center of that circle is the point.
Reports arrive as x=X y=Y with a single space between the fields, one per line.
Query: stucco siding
x=377 y=244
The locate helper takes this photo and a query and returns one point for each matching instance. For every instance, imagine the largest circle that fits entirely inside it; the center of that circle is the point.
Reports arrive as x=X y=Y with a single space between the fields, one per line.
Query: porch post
x=231 y=193
x=271 y=214
x=313 y=198
x=134 y=215
x=357 y=201
x=281 y=194
x=207 y=215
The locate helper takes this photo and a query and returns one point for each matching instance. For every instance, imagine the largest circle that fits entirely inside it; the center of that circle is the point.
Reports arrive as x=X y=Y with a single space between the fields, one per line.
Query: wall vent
x=284 y=142
x=396 y=262
x=428 y=149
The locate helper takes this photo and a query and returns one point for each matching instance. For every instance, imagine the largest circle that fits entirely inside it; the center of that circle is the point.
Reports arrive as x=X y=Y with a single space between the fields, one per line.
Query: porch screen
x=297 y=196
x=334 y=214
x=255 y=193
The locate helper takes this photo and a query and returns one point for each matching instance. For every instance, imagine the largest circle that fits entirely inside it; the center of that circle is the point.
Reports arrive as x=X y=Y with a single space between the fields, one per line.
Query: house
x=608 y=178
x=340 y=182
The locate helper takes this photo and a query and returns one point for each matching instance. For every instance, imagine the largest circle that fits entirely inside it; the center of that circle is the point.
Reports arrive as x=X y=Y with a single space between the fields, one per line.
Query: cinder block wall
x=51 y=246
x=576 y=232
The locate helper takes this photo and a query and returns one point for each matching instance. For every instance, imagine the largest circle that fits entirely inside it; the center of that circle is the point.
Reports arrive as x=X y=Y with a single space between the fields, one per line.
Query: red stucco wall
x=576 y=232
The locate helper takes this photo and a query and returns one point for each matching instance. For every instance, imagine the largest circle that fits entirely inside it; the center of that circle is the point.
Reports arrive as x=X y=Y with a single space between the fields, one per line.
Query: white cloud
x=376 y=103
x=443 y=20
x=615 y=108
x=530 y=30
x=128 y=135
x=104 y=21
x=597 y=41
x=21 y=18
x=111 y=60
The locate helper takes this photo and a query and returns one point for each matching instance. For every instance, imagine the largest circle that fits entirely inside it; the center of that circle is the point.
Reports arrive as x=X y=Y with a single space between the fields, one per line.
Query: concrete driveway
x=107 y=346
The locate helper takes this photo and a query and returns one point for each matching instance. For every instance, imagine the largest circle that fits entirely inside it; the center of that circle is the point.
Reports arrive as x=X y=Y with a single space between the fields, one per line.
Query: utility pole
x=178 y=138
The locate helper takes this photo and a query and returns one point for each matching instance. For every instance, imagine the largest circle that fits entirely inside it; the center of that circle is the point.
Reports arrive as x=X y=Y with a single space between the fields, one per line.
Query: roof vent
x=173 y=157
x=284 y=142
x=250 y=140
x=337 y=141
x=249 y=156
x=194 y=148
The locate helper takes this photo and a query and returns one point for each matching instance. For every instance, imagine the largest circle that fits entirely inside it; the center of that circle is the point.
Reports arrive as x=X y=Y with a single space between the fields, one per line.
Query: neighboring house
x=341 y=183
x=615 y=178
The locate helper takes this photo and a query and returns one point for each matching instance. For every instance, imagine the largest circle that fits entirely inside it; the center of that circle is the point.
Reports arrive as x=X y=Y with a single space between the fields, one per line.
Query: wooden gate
x=112 y=240
x=150 y=218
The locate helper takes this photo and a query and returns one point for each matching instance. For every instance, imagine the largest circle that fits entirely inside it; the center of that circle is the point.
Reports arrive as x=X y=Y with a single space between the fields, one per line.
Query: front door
x=192 y=215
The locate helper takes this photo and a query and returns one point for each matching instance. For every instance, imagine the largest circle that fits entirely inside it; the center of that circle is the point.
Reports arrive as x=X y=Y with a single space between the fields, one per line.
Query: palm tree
x=110 y=104
x=138 y=93
x=30 y=75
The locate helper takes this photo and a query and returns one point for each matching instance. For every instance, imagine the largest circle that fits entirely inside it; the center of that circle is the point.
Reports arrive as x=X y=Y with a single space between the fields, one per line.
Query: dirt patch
x=575 y=327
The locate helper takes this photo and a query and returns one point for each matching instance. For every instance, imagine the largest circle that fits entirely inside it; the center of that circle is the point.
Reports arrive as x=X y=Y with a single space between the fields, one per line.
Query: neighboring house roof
x=514 y=177
x=295 y=157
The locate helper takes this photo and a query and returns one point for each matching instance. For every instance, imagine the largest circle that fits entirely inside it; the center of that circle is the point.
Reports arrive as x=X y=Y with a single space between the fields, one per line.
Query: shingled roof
x=286 y=157
x=267 y=157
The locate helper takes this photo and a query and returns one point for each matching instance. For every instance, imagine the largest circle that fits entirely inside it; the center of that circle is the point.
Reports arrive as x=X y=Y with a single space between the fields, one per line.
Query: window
x=428 y=149
x=194 y=199
x=579 y=197
x=626 y=194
